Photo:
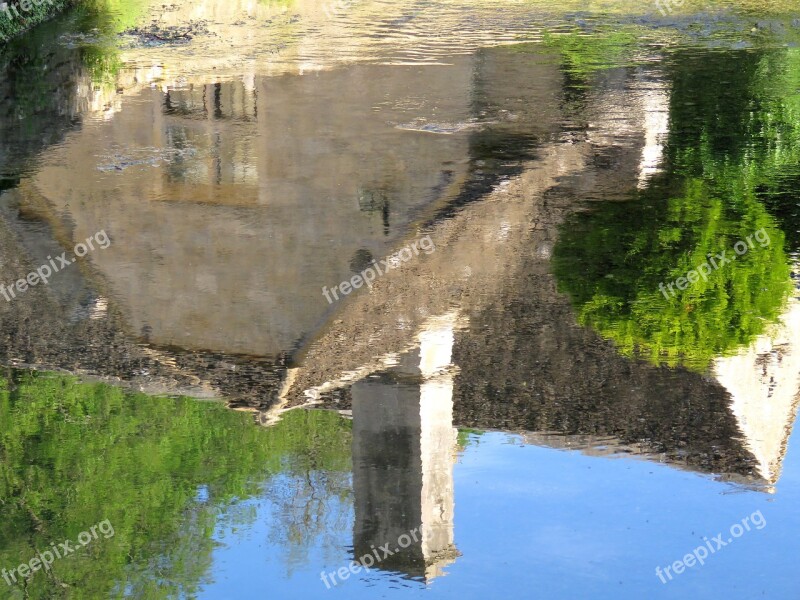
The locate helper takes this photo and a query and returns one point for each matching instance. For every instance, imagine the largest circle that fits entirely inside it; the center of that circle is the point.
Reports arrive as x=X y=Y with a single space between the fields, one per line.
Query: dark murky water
x=583 y=366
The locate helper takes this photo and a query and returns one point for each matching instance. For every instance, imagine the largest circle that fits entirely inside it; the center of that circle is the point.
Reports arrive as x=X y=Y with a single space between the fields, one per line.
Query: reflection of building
x=404 y=448
x=656 y=127
x=764 y=383
x=238 y=201
x=525 y=363
x=230 y=205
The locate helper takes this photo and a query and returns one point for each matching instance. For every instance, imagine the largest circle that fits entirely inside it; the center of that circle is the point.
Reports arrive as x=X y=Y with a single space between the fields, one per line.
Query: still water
x=562 y=352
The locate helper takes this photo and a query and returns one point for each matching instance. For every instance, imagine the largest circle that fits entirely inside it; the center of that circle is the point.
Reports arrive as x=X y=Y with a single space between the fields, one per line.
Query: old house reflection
x=404 y=449
x=244 y=195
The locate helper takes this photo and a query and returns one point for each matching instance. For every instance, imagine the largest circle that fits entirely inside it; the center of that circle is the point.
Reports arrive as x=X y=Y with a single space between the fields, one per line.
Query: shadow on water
x=39 y=98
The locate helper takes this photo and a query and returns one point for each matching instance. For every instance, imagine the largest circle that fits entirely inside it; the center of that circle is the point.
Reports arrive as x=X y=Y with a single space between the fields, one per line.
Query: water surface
x=534 y=391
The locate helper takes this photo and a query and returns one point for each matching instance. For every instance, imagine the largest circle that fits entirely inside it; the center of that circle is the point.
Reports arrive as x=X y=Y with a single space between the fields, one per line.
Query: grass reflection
x=162 y=471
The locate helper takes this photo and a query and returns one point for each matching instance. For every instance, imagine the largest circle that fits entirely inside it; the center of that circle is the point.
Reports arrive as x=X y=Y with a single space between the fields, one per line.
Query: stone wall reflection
x=239 y=201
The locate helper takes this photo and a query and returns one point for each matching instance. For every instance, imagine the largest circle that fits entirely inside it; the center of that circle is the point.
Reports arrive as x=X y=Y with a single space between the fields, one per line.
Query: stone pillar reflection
x=404 y=449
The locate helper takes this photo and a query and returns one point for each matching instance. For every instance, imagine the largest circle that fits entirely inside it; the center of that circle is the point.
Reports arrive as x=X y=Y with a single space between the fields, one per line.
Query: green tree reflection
x=734 y=132
x=163 y=471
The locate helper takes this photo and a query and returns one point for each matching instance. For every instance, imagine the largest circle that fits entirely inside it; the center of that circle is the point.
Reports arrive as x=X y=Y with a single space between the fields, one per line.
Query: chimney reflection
x=404 y=449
